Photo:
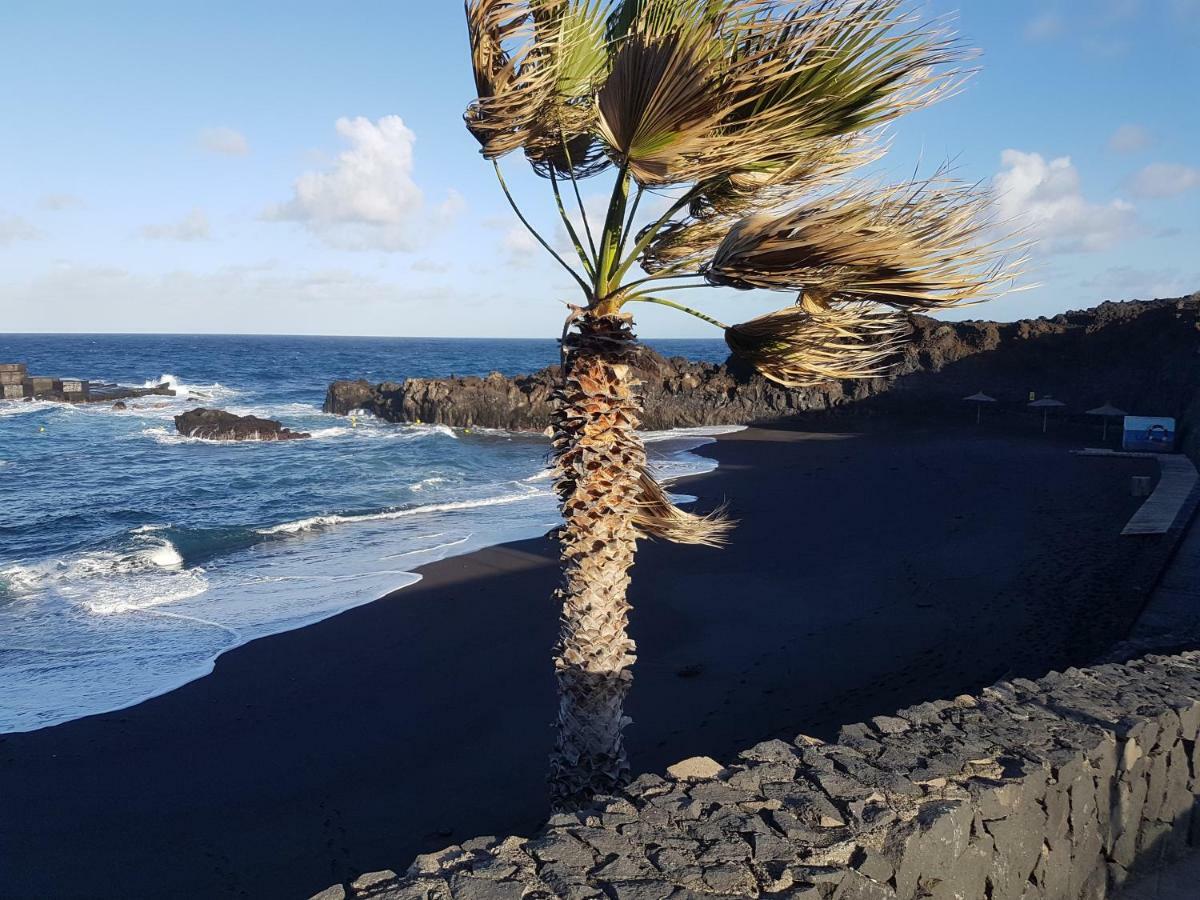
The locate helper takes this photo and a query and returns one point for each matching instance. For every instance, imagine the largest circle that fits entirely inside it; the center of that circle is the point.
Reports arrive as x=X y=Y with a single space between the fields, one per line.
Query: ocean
x=131 y=557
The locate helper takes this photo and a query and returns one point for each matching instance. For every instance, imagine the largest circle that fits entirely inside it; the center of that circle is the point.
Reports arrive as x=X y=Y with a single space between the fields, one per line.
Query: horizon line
x=379 y=337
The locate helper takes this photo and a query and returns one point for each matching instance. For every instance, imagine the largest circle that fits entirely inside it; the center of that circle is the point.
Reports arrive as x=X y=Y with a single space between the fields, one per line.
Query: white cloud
x=60 y=202
x=451 y=208
x=1165 y=180
x=1130 y=283
x=368 y=198
x=224 y=140
x=1047 y=198
x=1129 y=139
x=14 y=229
x=192 y=227
x=1044 y=27
x=520 y=248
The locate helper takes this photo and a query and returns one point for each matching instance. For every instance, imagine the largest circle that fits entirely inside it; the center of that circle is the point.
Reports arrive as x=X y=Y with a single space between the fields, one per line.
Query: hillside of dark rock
x=1143 y=356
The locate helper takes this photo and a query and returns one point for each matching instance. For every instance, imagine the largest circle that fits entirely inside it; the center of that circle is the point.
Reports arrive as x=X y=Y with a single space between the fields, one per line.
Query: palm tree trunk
x=599 y=458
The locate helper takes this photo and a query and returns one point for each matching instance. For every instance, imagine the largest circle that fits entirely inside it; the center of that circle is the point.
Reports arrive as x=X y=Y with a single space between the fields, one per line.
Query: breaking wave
x=147 y=573
x=203 y=392
x=316 y=522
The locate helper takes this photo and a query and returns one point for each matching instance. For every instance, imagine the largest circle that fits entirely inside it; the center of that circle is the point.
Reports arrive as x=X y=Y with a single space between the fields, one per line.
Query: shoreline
x=679 y=460
x=392 y=728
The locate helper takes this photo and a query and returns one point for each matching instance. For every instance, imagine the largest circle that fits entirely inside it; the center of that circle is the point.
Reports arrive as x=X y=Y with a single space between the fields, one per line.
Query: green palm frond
x=574 y=51
x=661 y=98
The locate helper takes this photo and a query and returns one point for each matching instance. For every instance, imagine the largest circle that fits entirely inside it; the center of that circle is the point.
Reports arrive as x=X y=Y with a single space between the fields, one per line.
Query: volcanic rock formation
x=1140 y=355
x=218 y=425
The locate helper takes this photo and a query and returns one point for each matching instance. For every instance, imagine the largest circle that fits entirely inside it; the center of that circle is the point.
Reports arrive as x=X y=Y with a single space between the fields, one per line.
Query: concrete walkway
x=1172 y=617
x=1174 y=607
x=1159 y=513
x=1176 y=489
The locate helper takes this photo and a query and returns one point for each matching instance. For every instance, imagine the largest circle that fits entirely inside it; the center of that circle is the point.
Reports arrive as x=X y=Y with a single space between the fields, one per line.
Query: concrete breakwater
x=17 y=384
x=1058 y=789
x=1141 y=356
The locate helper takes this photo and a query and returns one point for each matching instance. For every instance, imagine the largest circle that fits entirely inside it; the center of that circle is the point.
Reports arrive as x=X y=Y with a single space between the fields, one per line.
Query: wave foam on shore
x=102 y=628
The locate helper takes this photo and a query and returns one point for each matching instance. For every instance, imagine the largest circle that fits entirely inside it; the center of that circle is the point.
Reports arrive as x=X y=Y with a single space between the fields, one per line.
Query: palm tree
x=743 y=122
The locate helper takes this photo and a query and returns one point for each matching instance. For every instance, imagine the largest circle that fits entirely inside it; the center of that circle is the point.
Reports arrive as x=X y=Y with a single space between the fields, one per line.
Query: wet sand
x=868 y=572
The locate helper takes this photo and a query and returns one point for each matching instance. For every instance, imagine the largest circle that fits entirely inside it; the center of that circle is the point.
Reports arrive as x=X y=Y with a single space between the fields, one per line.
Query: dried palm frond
x=537 y=66
x=689 y=242
x=810 y=344
x=925 y=244
x=509 y=92
x=656 y=516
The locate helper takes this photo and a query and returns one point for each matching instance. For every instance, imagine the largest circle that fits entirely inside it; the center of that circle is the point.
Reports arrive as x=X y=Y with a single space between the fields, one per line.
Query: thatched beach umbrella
x=979 y=399
x=1045 y=405
x=1106 y=411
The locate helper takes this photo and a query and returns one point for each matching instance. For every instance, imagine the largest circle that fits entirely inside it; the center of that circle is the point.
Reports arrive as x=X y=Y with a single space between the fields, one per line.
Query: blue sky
x=302 y=167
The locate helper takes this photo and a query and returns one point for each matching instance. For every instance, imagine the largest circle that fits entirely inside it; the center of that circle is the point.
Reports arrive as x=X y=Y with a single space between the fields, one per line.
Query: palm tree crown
x=750 y=116
x=748 y=119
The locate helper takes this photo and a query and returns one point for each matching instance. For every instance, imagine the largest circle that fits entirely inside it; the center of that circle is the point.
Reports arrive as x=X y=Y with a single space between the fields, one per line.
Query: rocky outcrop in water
x=218 y=425
x=1141 y=356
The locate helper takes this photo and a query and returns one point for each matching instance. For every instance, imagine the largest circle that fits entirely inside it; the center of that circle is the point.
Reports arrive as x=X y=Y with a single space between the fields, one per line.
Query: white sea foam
x=26 y=407
x=426 y=482
x=207 y=392
x=432 y=550
x=105 y=582
x=317 y=522
x=161 y=434
x=699 y=431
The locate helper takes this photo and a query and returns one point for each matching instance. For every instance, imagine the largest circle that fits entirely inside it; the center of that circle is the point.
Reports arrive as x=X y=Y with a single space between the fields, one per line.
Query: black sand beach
x=868 y=572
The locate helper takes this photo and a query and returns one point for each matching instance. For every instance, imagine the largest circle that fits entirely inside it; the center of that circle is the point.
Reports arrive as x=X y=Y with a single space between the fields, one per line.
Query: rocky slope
x=1140 y=355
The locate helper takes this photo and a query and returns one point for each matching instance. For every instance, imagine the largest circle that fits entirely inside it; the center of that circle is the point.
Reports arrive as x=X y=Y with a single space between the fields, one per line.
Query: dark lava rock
x=218 y=425
x=1139 y=355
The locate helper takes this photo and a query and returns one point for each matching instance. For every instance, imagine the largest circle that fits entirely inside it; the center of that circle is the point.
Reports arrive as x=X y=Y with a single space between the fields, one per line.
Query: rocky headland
x=218 y=425
x=1140 y=355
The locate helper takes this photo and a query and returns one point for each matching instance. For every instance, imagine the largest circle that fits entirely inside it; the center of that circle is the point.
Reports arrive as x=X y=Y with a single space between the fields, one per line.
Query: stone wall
x=1050 y=790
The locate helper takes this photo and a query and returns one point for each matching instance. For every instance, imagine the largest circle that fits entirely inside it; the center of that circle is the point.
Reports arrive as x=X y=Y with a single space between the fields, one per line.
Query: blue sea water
x=131 y=557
